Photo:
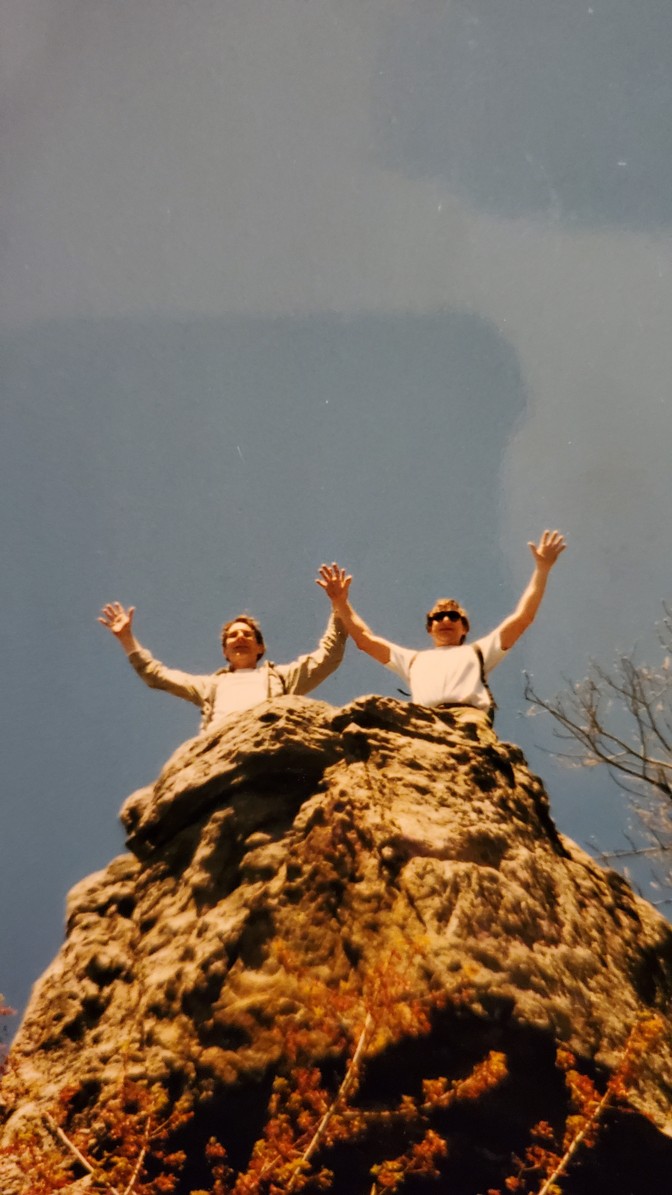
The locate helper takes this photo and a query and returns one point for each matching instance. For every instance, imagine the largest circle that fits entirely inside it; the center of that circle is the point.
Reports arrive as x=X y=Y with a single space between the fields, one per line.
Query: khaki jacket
x=300 y=676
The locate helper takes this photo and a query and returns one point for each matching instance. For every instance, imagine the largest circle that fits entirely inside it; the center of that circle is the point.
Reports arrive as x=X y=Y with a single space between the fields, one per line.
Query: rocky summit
x=367 y=915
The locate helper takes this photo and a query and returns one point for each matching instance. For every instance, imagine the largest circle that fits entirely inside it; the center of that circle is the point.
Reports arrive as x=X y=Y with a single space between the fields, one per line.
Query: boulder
x=305 y=860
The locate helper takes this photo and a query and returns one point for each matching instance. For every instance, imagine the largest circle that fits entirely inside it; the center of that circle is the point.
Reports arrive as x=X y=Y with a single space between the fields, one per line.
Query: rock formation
x=375 y=856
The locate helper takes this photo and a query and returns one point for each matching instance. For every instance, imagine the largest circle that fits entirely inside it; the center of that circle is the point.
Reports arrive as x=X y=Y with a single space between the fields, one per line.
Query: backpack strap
x=278 y=675
x=486 y=686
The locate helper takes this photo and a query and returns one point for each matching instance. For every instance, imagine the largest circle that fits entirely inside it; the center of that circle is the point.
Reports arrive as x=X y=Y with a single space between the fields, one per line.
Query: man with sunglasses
x=452 y=674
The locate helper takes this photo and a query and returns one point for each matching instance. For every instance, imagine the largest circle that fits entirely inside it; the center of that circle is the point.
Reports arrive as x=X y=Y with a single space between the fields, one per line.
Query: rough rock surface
x=303 y=840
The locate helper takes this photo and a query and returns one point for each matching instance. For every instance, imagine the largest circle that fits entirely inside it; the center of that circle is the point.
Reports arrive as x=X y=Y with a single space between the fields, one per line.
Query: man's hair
x=447 y=604
x=251 y=622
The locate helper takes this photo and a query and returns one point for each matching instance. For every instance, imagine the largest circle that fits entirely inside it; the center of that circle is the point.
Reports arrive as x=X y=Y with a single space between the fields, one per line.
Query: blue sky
x=386 y=283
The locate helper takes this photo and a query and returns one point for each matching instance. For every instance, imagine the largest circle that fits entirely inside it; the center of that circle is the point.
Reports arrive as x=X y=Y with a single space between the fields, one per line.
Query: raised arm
x=545 y=553
x=336 y=584
x=119 y=621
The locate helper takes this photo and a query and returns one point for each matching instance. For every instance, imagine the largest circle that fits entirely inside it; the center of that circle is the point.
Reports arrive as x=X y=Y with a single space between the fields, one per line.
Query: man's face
x=446 y=631
x=240 y=646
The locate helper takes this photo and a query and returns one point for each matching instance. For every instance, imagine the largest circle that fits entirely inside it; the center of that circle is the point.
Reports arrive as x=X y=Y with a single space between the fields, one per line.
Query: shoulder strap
x=276 y=672
x=486 y=686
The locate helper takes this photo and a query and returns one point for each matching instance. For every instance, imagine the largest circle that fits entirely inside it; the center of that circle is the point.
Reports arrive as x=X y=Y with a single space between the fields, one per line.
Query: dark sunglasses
x=451 y=615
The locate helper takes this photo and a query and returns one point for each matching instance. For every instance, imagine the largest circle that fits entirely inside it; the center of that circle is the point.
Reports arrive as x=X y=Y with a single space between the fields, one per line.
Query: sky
x=384 y=282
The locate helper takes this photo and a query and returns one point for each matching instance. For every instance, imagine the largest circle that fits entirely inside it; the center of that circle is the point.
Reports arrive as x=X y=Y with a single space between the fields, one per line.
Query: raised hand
x=335 y=582
x=119 y=621
x=546 y=552
x=116 y=618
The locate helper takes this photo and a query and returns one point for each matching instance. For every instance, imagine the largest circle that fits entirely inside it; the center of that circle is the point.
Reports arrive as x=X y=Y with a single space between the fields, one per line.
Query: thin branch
x=71 y=1147
x=140 y=1162
x=635 y=1049
x=348 y=1079
x=628 y=750
x=634 y=852
x=575 y=1145
x=599 y=743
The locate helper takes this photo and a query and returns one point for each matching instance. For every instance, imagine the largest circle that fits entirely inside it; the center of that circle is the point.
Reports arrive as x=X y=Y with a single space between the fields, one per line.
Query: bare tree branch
x=620 y=718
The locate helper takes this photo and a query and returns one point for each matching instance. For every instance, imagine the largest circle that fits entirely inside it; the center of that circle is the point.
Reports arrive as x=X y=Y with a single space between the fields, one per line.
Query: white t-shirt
x=238 y=690
x=448 y=674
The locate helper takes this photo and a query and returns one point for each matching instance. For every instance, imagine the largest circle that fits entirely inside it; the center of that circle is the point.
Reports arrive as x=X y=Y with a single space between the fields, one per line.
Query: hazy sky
x=387 y=281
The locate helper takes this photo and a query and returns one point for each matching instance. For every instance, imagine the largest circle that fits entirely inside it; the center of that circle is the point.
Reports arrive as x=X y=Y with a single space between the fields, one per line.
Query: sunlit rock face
x=302 y=851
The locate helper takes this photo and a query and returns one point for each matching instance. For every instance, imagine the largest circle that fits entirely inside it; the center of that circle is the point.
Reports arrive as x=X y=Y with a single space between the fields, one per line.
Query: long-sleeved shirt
x=225 y=692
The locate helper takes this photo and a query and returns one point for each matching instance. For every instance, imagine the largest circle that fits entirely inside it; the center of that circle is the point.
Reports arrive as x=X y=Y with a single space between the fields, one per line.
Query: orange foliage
x=304 y=1118
x=5 y=1011
x=548 y=1157
x=123 y=1143
x=124 y=1150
